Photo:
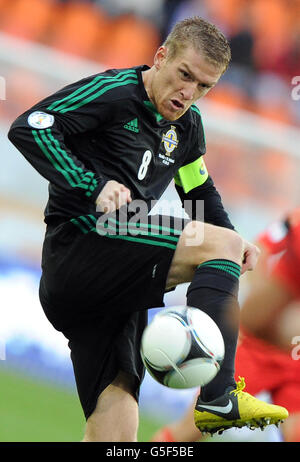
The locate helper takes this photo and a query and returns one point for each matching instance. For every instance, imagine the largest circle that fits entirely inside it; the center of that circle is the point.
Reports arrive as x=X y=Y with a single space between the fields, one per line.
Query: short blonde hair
x=205 y=37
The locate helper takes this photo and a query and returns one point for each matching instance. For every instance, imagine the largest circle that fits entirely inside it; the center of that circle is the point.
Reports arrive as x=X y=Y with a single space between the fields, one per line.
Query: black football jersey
x=103 y=128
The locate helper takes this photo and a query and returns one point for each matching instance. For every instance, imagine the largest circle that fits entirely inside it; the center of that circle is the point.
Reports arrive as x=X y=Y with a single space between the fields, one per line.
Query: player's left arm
x=193 y=183
x=202 y=202
x=199 y=196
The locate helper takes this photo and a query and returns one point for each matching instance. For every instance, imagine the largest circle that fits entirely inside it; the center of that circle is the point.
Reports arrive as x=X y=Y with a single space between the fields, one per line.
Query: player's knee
x=209 y=242
x=202 y=242
x=233 y=245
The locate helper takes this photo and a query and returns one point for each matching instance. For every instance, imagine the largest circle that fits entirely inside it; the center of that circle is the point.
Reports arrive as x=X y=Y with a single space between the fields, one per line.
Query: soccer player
x=269 y=322
x=109 y=145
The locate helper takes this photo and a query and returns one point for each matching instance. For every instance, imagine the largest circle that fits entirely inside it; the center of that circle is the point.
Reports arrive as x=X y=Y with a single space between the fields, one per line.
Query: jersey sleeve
x=40 y=133
x=204 y=203
x=193 y=171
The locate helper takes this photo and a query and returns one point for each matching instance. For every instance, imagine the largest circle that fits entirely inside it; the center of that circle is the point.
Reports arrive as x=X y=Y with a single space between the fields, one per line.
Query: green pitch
x=34 y=411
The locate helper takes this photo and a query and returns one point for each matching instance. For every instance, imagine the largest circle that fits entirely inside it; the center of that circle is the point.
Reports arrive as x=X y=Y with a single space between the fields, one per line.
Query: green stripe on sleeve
x=51 y=159
x=99 y=93
x=69 y=99
x=63 y=163
x=61 y=160
x=73 y=94
x=83 y=178
x=192 y=175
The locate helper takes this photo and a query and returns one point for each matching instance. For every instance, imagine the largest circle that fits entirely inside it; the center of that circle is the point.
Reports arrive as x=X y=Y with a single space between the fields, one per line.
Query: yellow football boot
x=236 y=408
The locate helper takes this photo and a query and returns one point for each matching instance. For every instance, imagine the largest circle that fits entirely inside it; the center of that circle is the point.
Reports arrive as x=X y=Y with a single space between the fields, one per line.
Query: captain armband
x=192 y=175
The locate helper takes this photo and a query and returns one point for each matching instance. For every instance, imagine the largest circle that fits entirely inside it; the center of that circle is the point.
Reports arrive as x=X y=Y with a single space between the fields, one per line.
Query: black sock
x=214 y=289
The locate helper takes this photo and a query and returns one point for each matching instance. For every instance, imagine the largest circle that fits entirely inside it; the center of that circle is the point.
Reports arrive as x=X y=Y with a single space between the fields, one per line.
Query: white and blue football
x=182 y=347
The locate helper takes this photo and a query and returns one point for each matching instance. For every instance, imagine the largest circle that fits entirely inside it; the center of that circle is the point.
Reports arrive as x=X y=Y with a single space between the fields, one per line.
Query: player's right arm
x=41 y=134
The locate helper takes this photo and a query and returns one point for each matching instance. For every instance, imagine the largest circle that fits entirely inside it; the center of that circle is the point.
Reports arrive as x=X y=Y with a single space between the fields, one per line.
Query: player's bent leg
x=115 y=418
x=182 y=430
x=260 y=322
x=213 y=265
x=211 y=257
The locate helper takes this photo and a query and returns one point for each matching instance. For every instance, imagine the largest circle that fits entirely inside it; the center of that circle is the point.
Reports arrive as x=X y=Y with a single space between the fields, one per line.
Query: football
x=182 y=347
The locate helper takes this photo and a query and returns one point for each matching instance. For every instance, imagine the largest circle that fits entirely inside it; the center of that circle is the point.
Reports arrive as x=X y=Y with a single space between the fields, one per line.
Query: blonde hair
x=205 y=37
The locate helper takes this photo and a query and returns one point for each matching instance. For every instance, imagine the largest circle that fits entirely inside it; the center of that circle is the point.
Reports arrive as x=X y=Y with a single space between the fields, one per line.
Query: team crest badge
x=40 y=119
x=170 y=140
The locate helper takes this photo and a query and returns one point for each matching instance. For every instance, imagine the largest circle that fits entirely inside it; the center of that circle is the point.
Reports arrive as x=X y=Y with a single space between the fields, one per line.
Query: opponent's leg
x=115 y=418
x=182 y=430
x=262 y=308
x=291 y=428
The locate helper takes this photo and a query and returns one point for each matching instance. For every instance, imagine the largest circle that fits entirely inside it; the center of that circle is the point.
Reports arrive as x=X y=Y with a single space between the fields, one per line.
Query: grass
x=34 y=411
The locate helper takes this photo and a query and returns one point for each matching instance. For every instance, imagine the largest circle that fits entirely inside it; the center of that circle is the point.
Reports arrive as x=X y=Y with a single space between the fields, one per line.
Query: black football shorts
x=96 y=290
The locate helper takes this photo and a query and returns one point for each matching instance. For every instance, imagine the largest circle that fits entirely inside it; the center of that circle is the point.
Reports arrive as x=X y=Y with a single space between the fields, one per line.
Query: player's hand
x=112 y=197
x=250 y=257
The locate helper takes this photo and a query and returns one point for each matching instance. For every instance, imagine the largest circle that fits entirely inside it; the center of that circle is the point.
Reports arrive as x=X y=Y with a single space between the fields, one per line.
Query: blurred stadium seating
x=252 y=131
x=87 y=29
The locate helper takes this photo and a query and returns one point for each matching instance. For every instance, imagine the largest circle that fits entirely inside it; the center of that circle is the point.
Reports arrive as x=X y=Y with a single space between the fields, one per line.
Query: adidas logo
x=132 y=126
